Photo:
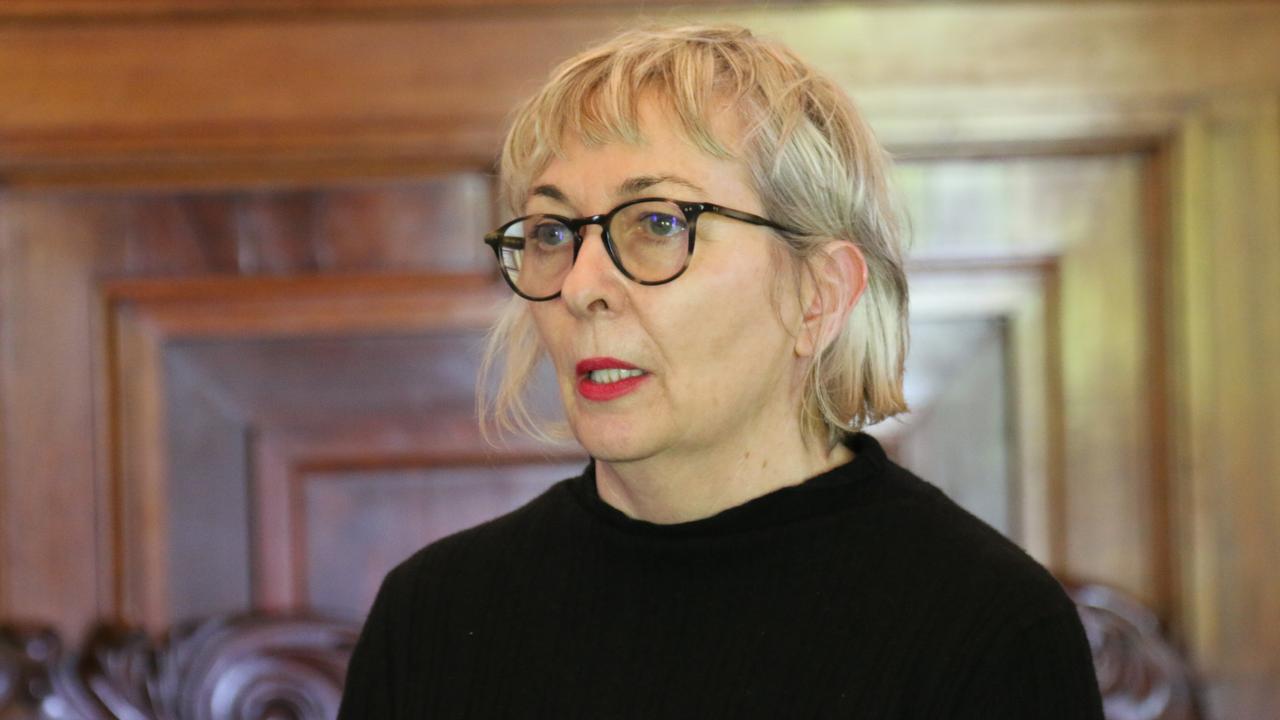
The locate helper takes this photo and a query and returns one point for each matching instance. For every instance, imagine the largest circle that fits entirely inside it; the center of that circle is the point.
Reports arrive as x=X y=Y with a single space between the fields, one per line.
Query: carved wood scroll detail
x=243 y=667
x=27 y=654
x=258 y=667
x=1142 y=676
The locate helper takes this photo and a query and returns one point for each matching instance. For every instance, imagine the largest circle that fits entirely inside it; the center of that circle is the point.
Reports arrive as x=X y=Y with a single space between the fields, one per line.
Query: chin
x=612 y=441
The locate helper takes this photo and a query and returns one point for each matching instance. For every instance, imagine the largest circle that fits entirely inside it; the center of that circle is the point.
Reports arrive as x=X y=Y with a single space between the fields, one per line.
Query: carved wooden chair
x=259 y=667
x=1141 y=675
x=247 y=666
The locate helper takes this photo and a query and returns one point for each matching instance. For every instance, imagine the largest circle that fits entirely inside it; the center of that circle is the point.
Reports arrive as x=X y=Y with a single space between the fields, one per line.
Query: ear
x=837 y=278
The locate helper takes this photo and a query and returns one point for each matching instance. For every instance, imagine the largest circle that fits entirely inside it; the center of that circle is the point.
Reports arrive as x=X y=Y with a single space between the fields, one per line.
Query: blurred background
x=243 y=291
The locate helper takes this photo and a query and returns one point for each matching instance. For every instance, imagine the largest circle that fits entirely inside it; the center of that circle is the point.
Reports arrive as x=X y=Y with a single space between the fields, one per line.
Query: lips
x=603 y=363
x=601 y=379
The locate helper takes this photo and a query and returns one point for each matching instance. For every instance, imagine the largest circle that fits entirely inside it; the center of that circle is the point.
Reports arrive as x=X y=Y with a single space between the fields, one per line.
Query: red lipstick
x=604 y=391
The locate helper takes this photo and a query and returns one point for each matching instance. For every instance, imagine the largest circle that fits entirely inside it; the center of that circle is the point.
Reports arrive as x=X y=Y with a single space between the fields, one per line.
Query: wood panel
x=59 y=337
x=93 y=102
x=300 y=356
x=8 y=283
x=1228 y=339
x=48 y=421
x=305 y=408
x=960 y=434
x=1017 y=302
x=100 y=9
x=1107 y=434
x=207 y=453
x=358 y=523
x=1085 y=426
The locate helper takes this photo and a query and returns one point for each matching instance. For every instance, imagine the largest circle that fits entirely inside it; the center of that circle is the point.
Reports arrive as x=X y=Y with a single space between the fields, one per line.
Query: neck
x=696 y=485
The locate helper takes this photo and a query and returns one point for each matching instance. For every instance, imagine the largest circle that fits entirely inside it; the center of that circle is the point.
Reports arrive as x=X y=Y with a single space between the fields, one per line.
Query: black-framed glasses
x=650 y=241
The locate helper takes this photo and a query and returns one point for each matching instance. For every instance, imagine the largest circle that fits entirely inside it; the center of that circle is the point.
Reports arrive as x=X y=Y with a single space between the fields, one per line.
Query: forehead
x=664 y=159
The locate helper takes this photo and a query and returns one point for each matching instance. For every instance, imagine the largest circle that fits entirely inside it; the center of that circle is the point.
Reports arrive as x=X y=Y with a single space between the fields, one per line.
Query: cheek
x=727 y=329
x=542 y=325
x=550 y=327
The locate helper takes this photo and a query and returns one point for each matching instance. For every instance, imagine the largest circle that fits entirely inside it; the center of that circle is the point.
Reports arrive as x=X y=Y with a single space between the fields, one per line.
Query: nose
x=593 y=284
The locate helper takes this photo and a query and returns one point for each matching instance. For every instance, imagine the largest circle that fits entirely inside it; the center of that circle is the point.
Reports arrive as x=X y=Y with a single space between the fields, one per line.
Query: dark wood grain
x=378 y=93
x=64 y=260
x=233 y=392
x=376 y=227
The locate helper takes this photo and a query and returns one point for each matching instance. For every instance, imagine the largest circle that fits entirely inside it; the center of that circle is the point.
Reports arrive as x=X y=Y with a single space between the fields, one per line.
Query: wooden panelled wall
x=185 y=184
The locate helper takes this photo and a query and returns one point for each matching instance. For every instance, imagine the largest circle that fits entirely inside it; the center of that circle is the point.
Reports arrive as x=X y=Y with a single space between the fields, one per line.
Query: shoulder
x=978 y=598
x=976 y=563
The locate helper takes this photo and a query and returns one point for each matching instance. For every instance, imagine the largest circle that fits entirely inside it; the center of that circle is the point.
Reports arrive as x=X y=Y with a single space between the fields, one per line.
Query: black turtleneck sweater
x=862 y=593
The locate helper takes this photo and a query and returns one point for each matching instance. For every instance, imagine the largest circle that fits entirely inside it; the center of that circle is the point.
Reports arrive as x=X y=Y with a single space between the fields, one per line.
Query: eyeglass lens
x=651 y=240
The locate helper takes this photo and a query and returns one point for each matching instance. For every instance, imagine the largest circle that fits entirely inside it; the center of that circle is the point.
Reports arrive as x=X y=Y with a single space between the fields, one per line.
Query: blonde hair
x=814 y=163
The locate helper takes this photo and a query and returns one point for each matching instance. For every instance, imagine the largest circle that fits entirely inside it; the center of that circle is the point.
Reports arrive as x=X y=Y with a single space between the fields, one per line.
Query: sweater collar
x=856 y=481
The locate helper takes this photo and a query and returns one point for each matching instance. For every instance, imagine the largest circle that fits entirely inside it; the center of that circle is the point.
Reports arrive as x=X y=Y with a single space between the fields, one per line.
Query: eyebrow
x=628 y=188
x=637 y=185
x=549 y=191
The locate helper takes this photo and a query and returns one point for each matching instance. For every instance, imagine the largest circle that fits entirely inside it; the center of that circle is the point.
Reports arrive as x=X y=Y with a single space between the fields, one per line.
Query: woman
x=707 y=252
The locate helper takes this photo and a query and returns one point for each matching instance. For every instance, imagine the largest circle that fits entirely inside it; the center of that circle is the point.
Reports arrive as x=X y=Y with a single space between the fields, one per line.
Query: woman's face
x=719 y=366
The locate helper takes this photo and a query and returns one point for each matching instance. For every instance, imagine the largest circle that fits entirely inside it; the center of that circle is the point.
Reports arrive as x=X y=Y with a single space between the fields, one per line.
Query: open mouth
x=602 y=378
x=613 y=375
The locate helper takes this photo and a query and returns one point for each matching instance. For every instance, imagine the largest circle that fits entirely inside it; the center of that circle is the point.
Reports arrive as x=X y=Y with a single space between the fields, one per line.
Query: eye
x=662 y=224
x=550 y=234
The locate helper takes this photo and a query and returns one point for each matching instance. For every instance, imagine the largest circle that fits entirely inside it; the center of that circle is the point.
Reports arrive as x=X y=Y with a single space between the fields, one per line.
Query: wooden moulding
x=1022 y=293
x=73 y=111
x=145 y=316
x=1226 y=264
x=7 y=279
x=286 y=460
x=114 y=9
